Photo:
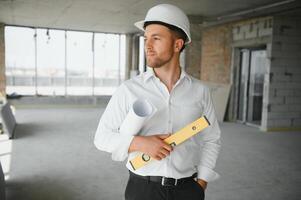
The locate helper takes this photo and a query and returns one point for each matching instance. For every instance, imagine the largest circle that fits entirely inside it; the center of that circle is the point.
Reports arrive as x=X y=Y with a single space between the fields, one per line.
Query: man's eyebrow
x=153 y=35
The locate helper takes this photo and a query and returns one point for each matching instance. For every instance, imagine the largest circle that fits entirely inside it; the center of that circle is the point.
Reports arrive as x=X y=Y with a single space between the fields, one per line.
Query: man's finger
x=157 y=157
x=165 y=152
x=161 y=155
x=167 y=147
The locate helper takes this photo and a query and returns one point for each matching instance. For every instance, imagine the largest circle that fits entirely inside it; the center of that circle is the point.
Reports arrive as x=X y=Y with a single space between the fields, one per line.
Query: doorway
x=252 y=69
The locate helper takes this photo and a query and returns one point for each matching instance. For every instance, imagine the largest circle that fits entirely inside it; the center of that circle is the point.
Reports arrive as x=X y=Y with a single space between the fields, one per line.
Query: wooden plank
x=220 y=96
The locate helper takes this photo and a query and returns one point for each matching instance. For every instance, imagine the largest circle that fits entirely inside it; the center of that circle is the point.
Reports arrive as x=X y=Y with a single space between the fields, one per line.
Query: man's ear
x=178 y=45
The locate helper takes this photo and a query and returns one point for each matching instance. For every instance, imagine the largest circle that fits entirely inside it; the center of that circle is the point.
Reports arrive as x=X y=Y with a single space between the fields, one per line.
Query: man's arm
x=107 y=137
x=211 y=144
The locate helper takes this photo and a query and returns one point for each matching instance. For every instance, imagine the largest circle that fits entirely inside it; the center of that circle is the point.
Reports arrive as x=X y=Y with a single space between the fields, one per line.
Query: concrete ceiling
x=117 y=16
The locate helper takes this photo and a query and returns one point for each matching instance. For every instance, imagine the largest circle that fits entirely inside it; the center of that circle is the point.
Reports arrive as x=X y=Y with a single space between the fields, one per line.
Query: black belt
x=165 y=181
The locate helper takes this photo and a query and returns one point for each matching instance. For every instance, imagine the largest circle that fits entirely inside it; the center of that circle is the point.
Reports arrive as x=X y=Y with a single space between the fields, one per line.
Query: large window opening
x=59 y=62
x=50 y=62
x=20 y=60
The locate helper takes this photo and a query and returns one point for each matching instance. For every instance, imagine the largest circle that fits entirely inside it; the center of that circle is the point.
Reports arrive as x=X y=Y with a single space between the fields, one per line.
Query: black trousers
x=141 y=189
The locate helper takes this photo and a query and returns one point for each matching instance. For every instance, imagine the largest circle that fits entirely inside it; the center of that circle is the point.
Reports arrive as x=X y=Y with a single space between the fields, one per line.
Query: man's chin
x=153 y=65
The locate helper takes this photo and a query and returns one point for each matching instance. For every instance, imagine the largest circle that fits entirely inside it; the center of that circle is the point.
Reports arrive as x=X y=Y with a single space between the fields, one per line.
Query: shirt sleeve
x=107 y=137
x=211 y=142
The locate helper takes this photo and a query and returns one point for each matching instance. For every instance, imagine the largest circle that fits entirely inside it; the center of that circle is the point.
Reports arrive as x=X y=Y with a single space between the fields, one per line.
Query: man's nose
x=148 y=44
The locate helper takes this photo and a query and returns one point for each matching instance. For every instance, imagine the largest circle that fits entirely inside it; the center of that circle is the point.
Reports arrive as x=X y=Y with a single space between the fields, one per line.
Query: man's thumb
x=164 y=136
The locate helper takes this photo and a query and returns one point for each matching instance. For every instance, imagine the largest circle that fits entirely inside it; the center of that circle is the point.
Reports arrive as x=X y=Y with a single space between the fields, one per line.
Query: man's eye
x=157 y=38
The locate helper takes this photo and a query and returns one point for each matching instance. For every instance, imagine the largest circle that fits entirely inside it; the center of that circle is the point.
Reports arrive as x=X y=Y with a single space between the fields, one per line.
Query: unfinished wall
x=2 y=61
x=250 y=33
x=217 y=43
x=281 y=37
x=193 y=51
x=284 y=89
x=216 y=54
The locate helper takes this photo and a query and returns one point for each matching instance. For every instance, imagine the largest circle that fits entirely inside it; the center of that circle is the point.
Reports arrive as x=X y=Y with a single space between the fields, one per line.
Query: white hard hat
x=168 y=14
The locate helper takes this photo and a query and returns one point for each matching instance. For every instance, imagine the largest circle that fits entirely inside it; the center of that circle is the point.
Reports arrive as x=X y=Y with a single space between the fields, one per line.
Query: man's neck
x=169 y=75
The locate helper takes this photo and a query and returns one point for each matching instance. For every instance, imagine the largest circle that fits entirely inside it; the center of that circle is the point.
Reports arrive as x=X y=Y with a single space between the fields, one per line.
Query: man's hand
x=153 y=146
x=202 y=183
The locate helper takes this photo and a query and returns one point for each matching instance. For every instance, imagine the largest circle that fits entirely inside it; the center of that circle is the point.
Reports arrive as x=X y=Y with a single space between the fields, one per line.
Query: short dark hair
x=179 y=32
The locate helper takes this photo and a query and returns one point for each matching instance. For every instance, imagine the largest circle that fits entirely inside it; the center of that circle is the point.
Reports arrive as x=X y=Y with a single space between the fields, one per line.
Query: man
x=178 y=173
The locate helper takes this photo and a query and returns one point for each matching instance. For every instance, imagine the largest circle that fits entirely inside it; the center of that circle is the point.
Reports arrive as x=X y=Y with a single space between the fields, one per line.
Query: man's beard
x=157 y=62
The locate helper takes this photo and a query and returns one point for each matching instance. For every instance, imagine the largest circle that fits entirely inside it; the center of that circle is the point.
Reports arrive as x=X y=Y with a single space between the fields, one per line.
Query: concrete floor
x=53 y=158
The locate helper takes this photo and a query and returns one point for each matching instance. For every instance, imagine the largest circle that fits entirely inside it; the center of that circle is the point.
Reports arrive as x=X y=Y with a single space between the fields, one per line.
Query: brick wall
x=284 y=98
x=216 y=54
x=217 y=45
x=193 y=51
x=2 y=61
x=281 y=34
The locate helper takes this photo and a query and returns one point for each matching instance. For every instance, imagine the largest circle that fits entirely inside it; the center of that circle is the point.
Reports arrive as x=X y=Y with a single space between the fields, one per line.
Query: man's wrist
x=134 y=146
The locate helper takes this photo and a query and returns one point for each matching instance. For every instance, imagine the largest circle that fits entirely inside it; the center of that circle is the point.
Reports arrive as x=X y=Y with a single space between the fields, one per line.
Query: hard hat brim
x=140 y=25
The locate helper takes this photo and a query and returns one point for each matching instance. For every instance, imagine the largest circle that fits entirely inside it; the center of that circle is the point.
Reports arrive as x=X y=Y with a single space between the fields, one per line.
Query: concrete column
x=132 y=55
x=128 y=56
x=135 y=55
x=2 y=62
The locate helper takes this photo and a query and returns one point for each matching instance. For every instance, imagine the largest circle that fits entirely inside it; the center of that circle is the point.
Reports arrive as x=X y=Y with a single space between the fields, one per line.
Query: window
x=79 y=63
x=58 y=62
x=109 y=64
x=50 y=62
x=20 y=60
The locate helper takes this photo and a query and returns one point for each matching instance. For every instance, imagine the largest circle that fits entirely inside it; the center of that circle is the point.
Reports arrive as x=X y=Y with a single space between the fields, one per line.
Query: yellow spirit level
x=174 y=140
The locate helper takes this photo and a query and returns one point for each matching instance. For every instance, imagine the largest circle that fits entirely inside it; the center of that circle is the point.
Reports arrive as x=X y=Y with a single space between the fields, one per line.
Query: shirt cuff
x=121 y=152
x=207 y=174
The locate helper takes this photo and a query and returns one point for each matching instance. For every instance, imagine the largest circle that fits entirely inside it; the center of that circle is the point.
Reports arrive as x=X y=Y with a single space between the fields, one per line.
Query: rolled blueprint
x=140 y=111
x=138 y=114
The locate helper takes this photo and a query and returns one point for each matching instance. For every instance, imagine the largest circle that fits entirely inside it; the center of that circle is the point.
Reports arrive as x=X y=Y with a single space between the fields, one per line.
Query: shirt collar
x=151 y=74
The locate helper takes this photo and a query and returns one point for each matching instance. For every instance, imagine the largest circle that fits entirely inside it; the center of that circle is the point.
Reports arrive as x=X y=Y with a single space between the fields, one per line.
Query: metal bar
x=119 y=54
x=36 y=62
x=66 y=63
x=93 y=63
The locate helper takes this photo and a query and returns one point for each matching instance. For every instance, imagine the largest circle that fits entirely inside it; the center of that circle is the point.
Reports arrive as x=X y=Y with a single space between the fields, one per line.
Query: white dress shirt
x=188 y=100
